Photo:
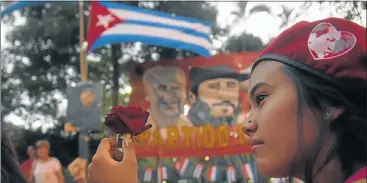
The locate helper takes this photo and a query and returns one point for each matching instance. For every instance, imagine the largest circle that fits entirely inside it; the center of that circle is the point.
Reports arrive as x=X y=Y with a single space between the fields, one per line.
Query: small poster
x=84 y=106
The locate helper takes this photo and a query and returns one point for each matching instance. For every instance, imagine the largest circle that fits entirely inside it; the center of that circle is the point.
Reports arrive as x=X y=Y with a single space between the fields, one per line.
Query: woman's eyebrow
x=255 y=88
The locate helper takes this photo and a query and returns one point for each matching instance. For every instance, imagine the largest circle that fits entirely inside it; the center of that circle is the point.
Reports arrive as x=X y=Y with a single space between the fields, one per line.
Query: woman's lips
x=255 y=143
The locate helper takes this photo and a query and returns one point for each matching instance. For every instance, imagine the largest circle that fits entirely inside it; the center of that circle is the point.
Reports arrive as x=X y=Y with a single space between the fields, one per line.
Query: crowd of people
x=307 y=95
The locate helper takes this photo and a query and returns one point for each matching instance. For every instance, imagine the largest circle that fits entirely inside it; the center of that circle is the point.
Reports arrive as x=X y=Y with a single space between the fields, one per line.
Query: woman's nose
x=249 y=127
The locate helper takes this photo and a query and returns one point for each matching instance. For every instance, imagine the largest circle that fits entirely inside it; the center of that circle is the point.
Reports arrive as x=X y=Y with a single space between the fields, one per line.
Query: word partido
x=195 y=137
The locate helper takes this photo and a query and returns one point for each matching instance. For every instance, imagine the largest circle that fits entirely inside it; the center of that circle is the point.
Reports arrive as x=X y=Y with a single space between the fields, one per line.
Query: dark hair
x=10 y=171
x=349 y=128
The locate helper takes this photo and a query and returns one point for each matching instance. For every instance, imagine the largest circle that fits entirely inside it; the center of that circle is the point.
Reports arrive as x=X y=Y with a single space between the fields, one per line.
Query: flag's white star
x=104 y=20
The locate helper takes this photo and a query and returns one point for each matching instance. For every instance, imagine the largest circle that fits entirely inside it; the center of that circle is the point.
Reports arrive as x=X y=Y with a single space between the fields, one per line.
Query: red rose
x=127 y=120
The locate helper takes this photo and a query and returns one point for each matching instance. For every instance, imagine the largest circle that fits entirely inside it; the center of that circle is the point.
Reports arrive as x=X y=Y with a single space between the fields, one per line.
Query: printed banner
x=84 y=106
x=196 y=105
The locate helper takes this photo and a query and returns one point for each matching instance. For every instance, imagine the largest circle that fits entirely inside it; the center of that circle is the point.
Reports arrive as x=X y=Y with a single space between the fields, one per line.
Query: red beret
x=330 y=49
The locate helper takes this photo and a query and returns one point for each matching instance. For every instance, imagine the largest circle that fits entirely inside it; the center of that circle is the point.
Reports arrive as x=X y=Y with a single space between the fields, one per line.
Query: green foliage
x=351 y=10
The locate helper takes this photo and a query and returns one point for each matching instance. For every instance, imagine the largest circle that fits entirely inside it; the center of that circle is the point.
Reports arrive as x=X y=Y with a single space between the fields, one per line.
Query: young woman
x=307 y=95
x=46 y=169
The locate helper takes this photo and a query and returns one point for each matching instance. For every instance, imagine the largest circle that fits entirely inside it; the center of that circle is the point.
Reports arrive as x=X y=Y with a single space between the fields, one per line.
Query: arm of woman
x=31 y=172
x=60 y=176
x=58 y=171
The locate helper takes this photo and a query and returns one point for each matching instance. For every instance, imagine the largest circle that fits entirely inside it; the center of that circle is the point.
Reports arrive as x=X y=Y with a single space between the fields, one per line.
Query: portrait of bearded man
x=165 y=90
x=215 y=100
x=215 y=95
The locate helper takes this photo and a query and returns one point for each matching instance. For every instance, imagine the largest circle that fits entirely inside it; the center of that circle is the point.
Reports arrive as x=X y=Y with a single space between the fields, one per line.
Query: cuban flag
x=117 y=23
x=247 y=171
x=198 y=170
x=148 y=174
x=163 y=173
x=177 y=165
x=231 y=174
x=15 y=5
x=213 y=173
x=182 y=169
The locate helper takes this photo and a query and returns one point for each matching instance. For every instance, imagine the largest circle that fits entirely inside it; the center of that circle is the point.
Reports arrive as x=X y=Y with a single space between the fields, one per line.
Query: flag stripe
x=166 y=26
x=20 y=4
x=130 y=15
x=156 y=15
x=142 y=30
x=127 y=38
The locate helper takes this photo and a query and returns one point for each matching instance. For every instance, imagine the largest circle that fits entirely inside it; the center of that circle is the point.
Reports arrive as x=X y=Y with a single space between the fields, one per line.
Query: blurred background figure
x=26 y=166
x=46 y=169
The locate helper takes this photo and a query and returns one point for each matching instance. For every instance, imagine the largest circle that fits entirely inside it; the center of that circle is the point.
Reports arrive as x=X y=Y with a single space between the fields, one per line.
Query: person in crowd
x=26 y=166
x=46 y=169
x=307 y=95
x=10 y=170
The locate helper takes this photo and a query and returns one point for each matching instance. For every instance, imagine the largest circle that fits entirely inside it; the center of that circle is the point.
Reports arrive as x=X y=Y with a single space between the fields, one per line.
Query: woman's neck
x=331 y=172
x=44 y=159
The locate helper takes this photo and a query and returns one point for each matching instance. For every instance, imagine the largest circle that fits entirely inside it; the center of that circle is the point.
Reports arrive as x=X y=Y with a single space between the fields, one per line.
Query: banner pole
x=83 y=69
x=83 y=135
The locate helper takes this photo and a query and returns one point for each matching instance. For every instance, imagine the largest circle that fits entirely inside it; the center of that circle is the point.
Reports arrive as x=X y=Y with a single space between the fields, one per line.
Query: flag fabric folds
x=231 y=174
x=15 y=5
x=247 y=171
x=117 y=23
x=148 y=175
x=198 y=170
x=213 y=173
x=163 y=173
x=182 y=169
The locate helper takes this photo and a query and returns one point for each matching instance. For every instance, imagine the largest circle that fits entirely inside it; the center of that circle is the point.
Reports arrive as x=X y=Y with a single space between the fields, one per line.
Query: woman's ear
x=191 y=98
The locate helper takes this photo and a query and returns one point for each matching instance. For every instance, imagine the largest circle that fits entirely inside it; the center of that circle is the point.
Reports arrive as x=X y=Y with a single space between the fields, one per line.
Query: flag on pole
x=183 y=167
x=231 y=174
x=198 y=170
x=19 y=4
x=163 y=173
x=148 y=174
x=177 y=165
x=213 y=173
x=117 y=23
x=247 y=171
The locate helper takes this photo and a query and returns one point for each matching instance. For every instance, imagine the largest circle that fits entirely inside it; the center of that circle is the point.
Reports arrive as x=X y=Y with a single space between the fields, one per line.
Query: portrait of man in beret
x=165 y=90
x=215 y=95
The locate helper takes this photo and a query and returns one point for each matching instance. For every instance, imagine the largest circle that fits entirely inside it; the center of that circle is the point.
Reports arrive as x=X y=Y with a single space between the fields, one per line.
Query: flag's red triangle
x=100 y=20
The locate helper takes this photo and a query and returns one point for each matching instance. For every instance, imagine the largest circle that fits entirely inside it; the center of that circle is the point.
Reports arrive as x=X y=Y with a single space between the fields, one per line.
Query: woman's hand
x=104 y=168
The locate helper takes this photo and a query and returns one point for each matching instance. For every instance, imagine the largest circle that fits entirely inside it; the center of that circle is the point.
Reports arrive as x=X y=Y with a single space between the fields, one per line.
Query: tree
x=43 y=55
x=350 y=10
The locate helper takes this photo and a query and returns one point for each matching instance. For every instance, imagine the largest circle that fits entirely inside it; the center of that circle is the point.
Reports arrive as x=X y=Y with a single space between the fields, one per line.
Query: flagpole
x=83 y=66
x=83 y=135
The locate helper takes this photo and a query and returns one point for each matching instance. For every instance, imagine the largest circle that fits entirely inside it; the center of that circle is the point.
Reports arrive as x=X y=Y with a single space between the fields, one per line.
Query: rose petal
x=127 y=119
x=118 y=108
x=113 y=122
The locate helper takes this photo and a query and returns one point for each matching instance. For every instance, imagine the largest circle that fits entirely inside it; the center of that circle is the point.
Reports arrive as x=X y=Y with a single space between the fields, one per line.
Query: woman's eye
x=260 y=98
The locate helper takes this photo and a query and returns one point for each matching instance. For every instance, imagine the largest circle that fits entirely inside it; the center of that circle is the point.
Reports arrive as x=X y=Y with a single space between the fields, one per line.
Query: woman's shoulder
x=54 y=160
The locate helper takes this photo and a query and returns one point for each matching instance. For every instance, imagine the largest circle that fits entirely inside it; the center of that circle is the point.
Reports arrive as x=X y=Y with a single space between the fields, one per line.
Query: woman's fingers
x=129 y=153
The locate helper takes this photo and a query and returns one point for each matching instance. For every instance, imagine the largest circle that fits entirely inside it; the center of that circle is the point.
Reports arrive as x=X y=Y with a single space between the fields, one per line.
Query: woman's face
x=272 y=122
x=42 y=151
